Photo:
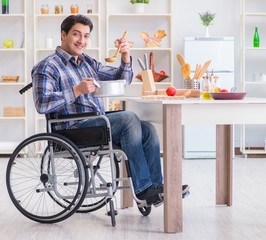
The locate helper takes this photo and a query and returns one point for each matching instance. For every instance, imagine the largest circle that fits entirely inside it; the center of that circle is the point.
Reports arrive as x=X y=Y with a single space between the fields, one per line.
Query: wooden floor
x=203 y=220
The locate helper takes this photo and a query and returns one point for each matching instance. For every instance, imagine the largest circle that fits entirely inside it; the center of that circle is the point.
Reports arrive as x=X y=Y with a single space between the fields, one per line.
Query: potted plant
x=206 y=19
x=139 y=1
x=139 y=5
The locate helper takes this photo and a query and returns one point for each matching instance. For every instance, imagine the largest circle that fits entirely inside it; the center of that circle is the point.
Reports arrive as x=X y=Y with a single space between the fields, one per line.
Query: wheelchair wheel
x=46 y=178
x=145 y=211
x=102 y=175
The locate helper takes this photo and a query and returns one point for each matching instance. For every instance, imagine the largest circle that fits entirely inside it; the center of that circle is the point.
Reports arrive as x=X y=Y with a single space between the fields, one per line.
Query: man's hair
x=71 y=20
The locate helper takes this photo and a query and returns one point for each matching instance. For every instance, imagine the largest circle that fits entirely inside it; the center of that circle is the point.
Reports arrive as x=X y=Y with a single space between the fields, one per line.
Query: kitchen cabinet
x=253 y=73
x=121 y=16
x=13 y=106
x=47 y=34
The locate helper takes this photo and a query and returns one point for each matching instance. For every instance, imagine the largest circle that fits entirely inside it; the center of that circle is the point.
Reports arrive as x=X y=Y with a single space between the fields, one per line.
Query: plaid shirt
x=54 y=77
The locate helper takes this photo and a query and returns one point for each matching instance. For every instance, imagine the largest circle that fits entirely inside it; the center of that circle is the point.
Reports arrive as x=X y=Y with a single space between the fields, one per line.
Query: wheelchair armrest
x=113 y=111
x=70 y=116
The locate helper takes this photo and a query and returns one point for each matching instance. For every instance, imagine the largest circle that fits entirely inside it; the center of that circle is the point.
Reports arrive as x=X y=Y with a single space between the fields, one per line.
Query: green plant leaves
x=207 y=18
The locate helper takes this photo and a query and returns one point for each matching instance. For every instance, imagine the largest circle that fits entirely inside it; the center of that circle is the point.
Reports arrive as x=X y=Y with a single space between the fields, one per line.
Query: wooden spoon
x=113 y=58
x=185 y=70
x=204 y=68
x=197 y=70
x=180 y=59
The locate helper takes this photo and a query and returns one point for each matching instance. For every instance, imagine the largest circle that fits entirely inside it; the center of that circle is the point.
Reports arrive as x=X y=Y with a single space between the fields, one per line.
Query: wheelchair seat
x=86 y=137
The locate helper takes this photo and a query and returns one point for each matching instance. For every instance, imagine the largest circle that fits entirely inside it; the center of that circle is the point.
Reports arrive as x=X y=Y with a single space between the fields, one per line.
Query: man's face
x=75 y=42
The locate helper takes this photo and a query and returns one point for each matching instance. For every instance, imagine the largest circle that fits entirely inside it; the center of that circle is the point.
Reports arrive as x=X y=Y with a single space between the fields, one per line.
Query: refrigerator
x=199 y=141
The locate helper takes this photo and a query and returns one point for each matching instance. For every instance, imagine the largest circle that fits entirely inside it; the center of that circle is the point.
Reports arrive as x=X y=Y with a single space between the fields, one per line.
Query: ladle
x=113 y=58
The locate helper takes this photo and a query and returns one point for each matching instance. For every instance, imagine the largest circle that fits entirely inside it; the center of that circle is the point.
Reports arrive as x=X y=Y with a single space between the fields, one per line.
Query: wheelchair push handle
x=26 y=88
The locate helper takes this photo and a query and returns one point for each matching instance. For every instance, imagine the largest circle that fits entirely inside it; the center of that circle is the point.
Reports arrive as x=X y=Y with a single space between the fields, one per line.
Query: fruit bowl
x=228 y=95
x=158 y=77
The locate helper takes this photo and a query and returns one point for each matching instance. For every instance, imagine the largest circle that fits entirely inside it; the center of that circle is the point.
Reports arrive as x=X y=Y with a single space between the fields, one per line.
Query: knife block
x=148 y=84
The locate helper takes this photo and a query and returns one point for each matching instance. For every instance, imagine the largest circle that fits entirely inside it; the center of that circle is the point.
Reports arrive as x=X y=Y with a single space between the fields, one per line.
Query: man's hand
x=86 y=86
x=125 y=49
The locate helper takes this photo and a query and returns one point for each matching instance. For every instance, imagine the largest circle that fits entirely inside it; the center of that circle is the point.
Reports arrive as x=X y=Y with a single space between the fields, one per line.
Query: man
x=64 y=83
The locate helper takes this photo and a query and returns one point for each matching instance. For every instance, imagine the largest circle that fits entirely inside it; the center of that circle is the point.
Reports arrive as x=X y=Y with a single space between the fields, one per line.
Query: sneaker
x=152 y=195
x=185 y=191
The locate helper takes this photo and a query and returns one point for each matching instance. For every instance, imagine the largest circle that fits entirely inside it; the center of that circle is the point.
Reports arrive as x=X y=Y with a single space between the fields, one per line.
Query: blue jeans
x=139 y=140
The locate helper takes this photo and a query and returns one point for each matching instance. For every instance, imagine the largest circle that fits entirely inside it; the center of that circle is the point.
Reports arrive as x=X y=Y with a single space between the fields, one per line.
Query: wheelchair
x=52 y=175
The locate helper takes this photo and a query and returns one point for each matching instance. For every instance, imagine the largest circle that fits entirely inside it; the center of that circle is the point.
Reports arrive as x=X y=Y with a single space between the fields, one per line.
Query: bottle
x=5 y=6
x=256 y=39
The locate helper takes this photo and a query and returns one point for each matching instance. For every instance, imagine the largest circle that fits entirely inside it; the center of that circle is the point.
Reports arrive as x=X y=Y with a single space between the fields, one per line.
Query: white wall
x=186 y=23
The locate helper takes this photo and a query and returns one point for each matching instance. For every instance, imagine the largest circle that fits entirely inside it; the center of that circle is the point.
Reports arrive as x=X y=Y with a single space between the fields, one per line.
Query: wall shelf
x=252 y=64
x=13 y=63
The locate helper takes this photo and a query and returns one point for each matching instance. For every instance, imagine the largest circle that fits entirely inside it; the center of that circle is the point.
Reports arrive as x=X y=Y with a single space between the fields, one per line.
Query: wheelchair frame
x=49 y=177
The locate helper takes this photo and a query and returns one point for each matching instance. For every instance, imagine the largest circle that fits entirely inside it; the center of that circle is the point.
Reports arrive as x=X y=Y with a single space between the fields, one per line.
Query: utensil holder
x=148 y=84
x=192 y=84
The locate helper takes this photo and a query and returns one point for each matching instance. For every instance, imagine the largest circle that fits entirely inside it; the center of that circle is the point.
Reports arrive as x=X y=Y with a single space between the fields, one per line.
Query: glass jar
x=89 y=8
x=74 y=9
x=206 y=88
x=44 y=9
x=58 y=9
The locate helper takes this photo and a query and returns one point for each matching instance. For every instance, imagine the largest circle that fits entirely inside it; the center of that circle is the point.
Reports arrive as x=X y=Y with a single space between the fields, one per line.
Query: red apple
x=171 y=91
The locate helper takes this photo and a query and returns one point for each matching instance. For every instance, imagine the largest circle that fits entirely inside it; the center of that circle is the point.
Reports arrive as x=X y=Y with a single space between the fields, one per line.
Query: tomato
x=171 y=91
x=162 y=72
x=224 y=90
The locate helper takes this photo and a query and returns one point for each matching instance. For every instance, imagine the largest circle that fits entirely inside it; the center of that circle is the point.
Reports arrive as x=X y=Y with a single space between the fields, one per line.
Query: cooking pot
x=114 y=88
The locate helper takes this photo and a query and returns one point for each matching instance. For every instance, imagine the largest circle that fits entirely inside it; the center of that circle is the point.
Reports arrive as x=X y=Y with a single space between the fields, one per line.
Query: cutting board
x=188 y=93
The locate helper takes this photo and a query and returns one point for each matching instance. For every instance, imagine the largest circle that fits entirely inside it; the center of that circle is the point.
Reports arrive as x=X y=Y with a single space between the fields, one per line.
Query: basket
x=10 y=79
x=158 y=77
x=14 y=112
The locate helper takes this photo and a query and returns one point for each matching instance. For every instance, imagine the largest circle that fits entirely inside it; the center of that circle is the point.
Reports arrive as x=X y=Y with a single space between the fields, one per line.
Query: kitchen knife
x=146 y=61
x=151 y=61
x=141 y=64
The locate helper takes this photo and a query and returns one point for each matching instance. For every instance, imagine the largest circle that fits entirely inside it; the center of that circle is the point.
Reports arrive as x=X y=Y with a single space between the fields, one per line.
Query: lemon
x=216 y=89
x=8 y=43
